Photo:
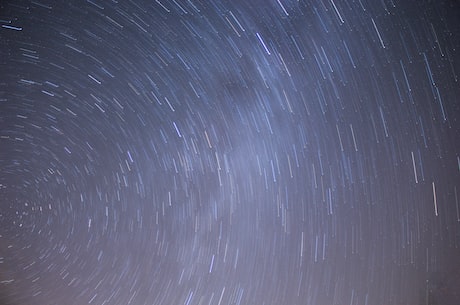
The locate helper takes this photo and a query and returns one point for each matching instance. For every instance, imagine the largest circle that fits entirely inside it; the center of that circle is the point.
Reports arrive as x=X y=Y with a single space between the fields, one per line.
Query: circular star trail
x=229 y=152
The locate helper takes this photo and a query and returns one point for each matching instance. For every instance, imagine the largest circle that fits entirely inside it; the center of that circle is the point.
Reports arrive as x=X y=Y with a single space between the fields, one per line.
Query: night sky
x=201 y=152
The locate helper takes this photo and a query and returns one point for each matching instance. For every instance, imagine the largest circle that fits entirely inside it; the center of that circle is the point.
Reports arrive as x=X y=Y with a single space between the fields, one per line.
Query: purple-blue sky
x=229 y=152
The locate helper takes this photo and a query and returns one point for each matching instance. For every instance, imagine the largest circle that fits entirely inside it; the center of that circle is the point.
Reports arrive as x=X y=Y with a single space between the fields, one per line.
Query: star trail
x=201 y=152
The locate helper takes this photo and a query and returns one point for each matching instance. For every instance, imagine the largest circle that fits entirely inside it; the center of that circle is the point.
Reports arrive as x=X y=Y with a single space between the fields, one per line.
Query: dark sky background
x=197 y=152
